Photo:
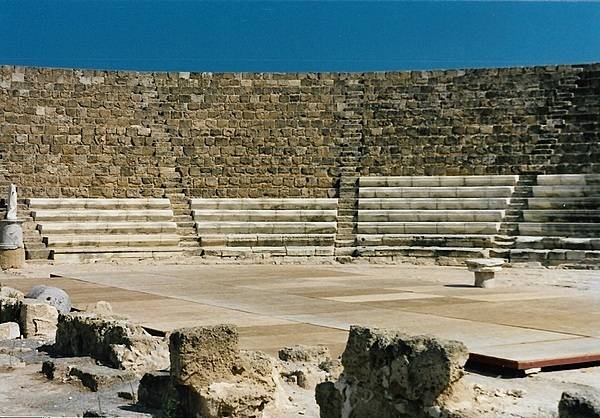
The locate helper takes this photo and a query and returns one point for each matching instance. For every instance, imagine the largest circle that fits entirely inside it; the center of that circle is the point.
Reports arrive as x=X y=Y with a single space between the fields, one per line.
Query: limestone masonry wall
x=115 y=134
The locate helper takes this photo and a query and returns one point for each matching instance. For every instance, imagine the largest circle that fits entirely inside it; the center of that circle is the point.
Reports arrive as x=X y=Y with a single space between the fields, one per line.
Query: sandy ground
x=24 y=391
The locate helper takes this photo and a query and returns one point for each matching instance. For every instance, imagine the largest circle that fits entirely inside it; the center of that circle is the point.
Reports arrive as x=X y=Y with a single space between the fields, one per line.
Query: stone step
x=536 y=242
x=107 y=227
x=433 y=240
x=429 y=252
x=267 y=240
x=576 y=230
x=428 y=227
x=37 y=253
x=560 y=203
x=85 y=203
x=307 y=215
x=430 y=215
x=568 y=179
x=107 y=215
x=562 y=216
x=273 y=251
x=567 y=191
x=555 y=257
x=438 y=181
x=181 y=225
x=69 y=255
x=429 y=204
x=230 y=227
x=265 y=203
x=113 y=240
x=436 y=192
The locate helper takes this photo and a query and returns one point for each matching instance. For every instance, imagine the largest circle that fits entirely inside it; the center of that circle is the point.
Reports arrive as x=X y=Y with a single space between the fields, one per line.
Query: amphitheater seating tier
x=273 y=226
x=95 y=229
x=446 y=216
x=562 y=223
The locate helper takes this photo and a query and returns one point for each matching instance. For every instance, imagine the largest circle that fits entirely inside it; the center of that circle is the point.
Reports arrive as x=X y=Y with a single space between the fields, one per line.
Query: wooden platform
x=511 y=326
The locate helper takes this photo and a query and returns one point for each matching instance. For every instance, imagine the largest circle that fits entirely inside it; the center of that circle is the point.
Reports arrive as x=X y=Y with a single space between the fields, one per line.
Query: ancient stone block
x=115 y=342
x=579 y=404
x=305 y=353
x=9 y=331
x=389 y=374
x=38 y=319
x=203 y=354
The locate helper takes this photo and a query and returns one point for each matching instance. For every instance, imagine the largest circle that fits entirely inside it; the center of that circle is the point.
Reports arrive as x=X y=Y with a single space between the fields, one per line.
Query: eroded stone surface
x=114 y=342
x=579 y=404
x=9 y=331
x=38 y=319
x=305 y=353
x=211 y=377
x=389 y=374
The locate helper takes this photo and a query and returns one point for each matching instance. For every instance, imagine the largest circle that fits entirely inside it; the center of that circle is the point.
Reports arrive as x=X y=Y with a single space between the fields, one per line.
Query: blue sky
x=195 y=35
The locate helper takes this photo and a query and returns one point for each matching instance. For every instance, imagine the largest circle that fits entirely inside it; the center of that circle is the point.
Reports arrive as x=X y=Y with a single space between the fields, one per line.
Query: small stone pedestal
x=12 y=253
x=484 y=269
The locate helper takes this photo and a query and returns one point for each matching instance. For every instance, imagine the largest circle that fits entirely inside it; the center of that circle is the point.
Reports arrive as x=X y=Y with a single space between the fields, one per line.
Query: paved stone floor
x=531 y=314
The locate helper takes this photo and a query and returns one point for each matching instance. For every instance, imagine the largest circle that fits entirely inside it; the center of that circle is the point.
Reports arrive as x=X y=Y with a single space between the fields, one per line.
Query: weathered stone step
x=536 y=242
x=231 y=227
x=107 y=227
x=428 y=227
x=430 y=252
x=266 y=240
x=436 y=192
x=84 y=203
x=265 y=203
x=108 y=215
x=568 y=179
x=435 y=215
x=557 y=215
x=560 y=229
x=567 y=191
x=438 y=181
x=272 y=251
x=433 y=240
x=113 y=240
x=429 y=204
x=310 y=215
x=37 y=253
x=74 y=255
x=555 y=257
x=559 y=203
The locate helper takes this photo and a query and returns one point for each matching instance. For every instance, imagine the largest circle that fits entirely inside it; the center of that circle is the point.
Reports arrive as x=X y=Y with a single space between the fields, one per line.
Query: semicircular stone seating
x=431 y=216
x=81 y=229
x=562 y=222
x=230 y=227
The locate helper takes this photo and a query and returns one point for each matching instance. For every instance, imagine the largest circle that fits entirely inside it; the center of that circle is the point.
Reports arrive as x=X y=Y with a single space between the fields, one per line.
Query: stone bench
x=563 y=205
x=91 y=229
x=484 y=270
x=266 y=226
x=400 y=212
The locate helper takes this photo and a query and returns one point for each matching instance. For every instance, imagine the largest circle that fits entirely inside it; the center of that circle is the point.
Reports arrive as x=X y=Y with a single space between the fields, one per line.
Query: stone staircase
x=35 y=249
x=446 y=218
x=266 y=226
x=96 y=229
x=513 y=215
x=561 y=225
x=182 y=215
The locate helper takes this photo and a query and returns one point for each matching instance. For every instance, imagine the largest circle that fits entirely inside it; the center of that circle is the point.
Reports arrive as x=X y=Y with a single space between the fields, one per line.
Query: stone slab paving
x=531 y=314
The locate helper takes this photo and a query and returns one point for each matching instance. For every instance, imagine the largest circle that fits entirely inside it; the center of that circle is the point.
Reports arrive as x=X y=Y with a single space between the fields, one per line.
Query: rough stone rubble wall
x=123 y=134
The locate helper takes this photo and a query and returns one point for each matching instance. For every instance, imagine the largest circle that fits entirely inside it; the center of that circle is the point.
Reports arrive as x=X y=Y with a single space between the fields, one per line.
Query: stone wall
x=115 y=134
